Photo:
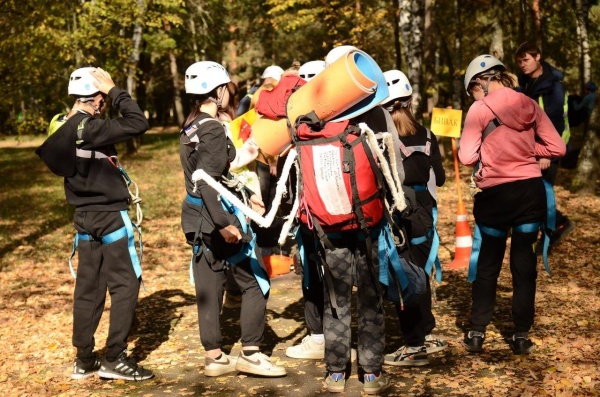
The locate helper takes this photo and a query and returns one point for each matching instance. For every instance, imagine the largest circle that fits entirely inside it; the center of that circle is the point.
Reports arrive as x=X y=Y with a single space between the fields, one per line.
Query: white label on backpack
x=330 y=179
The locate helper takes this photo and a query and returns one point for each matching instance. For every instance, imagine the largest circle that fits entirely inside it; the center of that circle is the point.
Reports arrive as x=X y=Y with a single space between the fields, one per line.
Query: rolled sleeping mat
x=343 y=84
x=368 y=103
x=350 y=86
x=271 y=135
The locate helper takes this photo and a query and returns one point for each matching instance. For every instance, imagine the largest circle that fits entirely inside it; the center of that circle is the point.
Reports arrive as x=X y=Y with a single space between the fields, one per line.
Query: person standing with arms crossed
x=542 y=82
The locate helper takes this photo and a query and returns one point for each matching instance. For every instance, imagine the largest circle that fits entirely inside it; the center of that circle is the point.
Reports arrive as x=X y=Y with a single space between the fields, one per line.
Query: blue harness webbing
x=432 y=234
x=524 y=228
x=247 y=250
x=388 y=255
x=125 y=231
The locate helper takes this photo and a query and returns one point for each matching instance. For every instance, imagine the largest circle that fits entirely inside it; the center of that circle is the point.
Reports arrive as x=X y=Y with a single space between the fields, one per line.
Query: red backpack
x=339 y=178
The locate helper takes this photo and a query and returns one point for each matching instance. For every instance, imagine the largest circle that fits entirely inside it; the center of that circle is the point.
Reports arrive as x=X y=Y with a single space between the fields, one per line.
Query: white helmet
x=479 y=65
x=203 y=77
x=337 y=53
x=398 y=85
x=310 y=69
x=274 y=72
x=81 y=83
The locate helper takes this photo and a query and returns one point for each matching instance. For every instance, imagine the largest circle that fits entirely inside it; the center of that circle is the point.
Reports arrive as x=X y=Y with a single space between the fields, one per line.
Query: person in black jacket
x=543 y=83
x=218 y=232
x=82 y=150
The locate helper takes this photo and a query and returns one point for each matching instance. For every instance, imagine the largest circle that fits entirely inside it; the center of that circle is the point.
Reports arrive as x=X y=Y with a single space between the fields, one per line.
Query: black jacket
x=95 y=184
x=549 y=87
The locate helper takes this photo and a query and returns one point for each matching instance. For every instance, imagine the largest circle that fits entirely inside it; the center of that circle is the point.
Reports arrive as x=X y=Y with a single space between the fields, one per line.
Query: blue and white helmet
x=479 y=66
x=310 y=69
x=398 y=85
x=203 y=77
x=81 y=83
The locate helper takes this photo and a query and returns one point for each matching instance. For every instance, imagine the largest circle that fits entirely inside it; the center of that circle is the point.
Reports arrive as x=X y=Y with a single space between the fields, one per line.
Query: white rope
x=280 y=189
x=392 y=180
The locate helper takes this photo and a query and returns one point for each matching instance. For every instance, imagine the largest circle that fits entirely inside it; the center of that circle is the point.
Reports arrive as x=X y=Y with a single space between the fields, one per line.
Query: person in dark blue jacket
x=542 y=82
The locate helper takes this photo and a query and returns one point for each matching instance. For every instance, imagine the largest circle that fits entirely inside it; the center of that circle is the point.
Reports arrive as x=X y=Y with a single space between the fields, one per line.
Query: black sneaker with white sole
x=473 y=341
x=123 y=368
x=85 y=368
x=521 y=344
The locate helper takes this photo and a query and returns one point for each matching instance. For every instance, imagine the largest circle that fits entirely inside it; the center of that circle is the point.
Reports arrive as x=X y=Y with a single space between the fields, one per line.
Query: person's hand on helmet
x=103 y=80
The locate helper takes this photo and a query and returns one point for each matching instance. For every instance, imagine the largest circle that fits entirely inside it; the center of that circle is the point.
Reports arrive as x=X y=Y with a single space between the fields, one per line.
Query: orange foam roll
x=341 y=85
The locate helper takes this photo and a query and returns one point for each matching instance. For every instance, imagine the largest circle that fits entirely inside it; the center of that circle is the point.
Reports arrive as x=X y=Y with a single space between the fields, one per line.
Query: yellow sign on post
x=446 y=122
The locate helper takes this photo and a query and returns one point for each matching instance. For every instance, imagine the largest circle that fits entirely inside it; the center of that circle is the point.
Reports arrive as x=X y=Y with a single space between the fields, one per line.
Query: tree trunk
x=457 y=75
x=496 y=48
x=132 y=145
x=397 y=46
x=430 y=59
x=175 y=77
x=537 y=22
x=588 y=166
x=194 y=38
x=411 y=26
x=585 y=62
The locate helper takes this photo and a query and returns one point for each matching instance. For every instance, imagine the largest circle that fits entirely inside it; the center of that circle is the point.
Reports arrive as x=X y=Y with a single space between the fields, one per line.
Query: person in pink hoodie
x=504 y=136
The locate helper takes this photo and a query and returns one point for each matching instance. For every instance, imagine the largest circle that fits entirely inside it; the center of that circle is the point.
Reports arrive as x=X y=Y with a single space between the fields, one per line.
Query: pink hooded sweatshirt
x=511 y=151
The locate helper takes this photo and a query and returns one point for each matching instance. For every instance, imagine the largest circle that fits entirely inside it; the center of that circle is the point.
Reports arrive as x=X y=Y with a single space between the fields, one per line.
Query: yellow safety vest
x=566 y=134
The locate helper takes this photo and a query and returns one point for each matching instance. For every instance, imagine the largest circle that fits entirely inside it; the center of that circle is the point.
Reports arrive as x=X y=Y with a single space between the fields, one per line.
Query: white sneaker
x=434 y=344
x=258 y=364
x=307 y=349
x=225 y=364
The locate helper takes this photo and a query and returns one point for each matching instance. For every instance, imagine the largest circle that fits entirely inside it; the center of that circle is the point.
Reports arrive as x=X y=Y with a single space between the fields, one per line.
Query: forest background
x=147 y=45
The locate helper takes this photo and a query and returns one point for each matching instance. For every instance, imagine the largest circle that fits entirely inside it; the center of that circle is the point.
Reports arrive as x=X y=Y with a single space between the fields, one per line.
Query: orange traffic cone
x=464 y=243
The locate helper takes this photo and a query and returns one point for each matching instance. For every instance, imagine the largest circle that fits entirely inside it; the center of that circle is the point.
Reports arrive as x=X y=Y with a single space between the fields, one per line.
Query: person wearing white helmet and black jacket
x=504 y=136
x=419 y=150
x=216 y=234
x=82 y=151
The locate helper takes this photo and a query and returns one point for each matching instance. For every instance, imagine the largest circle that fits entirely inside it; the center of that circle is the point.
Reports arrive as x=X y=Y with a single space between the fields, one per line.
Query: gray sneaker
x=336 y=382
x=434 y=344
x=408 y=357
x=375 y=384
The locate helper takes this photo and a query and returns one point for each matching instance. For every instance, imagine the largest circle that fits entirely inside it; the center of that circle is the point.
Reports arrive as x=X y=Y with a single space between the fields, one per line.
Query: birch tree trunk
x=430 y=81
x=496 y=47
x=585 y=61
x=411 y=28
x=134 y=57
